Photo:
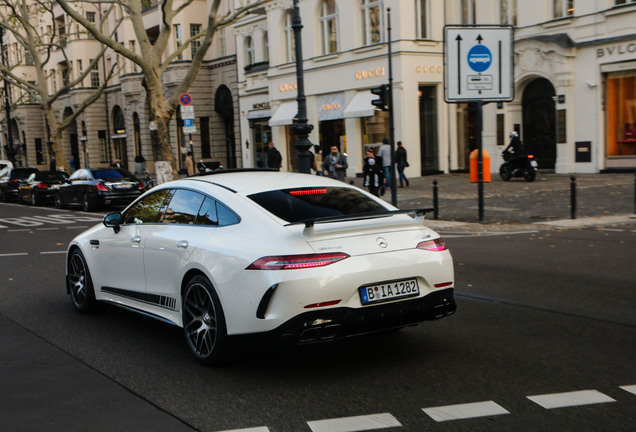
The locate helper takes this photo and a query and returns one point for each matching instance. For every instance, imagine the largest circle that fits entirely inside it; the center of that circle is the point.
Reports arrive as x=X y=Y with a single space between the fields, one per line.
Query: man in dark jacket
x=274 y=159
x=517 y=149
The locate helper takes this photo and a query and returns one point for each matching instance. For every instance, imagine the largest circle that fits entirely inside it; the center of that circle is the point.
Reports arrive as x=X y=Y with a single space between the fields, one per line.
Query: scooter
x=525 y=167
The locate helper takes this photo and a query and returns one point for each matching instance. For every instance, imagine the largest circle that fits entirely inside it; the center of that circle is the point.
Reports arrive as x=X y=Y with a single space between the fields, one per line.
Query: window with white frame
x=329 y=26
x=95 y=75
x=265 y=47
x=563 y=8
x=178 y=39
x=622 y=2
x=90 y=17
x=421 y=17
x=467 y=9
x=290 y=43
x=508 y=12
x=249 y=51
x=372 y=21
x=195 y=29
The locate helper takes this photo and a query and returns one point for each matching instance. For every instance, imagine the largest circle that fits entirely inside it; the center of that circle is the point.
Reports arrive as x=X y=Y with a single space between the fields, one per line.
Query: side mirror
x=111 y=220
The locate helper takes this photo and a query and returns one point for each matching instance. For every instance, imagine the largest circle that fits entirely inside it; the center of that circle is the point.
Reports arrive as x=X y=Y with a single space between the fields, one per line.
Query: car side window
x=146 y=210
x=226 y=216
x=183 y=207
x=207 y=213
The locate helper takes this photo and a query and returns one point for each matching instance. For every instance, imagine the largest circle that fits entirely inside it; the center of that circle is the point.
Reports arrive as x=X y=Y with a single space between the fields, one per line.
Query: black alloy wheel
x=58 y=201
x=505 y=172
x=80 y=284
x=87 y=206
x=35 y=201
x=204 y=322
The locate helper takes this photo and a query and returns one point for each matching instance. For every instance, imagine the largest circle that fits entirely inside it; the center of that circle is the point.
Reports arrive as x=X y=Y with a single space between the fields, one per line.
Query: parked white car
x=257 y=251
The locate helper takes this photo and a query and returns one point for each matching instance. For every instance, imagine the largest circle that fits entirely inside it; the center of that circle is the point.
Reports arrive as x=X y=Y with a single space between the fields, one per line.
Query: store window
x=374 y=129
x=329 y=26
x=372 y=21
x=621 y=114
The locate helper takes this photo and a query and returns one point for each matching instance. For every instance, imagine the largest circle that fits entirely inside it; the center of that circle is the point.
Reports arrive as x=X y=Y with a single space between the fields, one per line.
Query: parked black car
x=9 y=184
x=41 y=187
x=97 y=187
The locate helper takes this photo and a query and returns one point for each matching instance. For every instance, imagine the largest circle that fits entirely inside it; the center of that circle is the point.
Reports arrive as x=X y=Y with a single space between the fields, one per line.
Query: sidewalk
x=602 y=199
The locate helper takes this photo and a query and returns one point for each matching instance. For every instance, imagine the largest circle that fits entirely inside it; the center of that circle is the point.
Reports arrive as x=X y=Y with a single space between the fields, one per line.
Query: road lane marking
x=47 y=229
x=355 y=424
x=14 y=254
x=630 y=388
x=569 y=399
x=53 y=252
x=256 y=429
x=465 y=411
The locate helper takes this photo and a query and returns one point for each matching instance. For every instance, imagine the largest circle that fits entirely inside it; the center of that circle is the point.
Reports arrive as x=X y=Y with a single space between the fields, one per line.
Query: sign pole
x=391 y=117
x=480 y=160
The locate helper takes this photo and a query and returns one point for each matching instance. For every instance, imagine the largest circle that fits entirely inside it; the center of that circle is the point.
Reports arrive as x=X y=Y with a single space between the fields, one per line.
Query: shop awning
x=258 y=114
x=360 y=105
x=285 y=114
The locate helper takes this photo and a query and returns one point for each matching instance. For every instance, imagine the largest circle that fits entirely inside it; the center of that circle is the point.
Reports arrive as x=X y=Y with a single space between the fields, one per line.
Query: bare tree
x=21 y=19
x=156 y=58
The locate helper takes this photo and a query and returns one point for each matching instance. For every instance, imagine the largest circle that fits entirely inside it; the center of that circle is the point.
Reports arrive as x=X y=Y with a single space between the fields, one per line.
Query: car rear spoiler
x=418 y=215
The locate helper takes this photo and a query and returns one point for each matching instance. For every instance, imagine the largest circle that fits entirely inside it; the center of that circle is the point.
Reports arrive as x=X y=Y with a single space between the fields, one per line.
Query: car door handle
x=183 y=244
x=136 y=239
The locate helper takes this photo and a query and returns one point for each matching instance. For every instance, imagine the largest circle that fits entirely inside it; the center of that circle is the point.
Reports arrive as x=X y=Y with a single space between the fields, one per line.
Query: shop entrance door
x=539 y=124
x=428 y=130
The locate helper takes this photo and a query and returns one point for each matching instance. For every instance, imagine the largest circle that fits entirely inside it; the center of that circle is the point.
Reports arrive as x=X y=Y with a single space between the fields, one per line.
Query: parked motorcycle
x=525 y=166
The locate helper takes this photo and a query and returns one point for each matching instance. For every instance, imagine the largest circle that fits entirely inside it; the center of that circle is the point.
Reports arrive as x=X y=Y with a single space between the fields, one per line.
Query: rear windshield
x=51 y=176
x=107 y=174
x=294 y=205
x=22 y=173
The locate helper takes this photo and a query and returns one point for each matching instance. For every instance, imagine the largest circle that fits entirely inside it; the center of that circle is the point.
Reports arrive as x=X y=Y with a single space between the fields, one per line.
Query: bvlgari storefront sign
x=626 y=48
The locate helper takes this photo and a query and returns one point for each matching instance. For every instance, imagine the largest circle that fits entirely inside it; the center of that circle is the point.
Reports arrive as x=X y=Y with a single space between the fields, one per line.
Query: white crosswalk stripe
x=465 y=411
x=256 y=429
x=568 y=399
x=355 y=424
x=630 y=388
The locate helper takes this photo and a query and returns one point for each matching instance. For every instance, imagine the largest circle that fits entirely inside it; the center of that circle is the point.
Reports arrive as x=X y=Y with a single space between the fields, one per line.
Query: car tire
x=505 y=172
x=87 y=205
x=204 y=321
x=3 y=196
x=58 y=201
x=80 y=284
x=35 y=201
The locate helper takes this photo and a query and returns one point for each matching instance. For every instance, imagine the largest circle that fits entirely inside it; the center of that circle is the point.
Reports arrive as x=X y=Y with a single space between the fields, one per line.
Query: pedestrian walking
x=317 y=160
x=274 y=159
x=53 y=163
x=385 y=154
x=189 y=162
x=372 y=173
x=117 y=164
x=402 y=162
x=335 y=165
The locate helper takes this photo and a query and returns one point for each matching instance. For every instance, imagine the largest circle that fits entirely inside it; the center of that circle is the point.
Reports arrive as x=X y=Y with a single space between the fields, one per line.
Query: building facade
x=574 y=92
x=117 y=125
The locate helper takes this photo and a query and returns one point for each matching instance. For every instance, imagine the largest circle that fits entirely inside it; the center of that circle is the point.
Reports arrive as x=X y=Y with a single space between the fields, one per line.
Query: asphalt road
x=545 y=321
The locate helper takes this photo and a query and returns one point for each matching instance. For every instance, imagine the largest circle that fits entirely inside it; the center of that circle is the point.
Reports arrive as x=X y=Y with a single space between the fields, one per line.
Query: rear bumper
x=337 y=323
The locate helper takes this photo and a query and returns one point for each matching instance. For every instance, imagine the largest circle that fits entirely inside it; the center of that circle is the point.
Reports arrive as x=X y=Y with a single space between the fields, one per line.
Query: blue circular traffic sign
x=185 y=99
x=479 y=58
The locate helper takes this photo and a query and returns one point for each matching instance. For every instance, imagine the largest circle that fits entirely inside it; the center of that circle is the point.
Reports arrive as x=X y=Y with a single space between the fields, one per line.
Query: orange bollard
x=474 y=175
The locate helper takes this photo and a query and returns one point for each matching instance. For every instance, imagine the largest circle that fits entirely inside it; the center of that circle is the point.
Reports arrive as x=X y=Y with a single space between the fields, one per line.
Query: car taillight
x=292 y=262
x=142 y=185
x=42 y=186
x=13 y=181
x=530 y=156
x=436 y=245
x=101 y=187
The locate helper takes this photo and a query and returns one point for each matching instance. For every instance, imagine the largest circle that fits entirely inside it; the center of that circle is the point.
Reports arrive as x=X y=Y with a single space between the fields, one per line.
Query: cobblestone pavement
x=601 y=199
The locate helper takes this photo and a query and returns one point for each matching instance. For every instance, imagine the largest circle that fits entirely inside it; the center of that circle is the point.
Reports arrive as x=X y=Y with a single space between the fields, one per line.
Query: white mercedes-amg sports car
x=244 y=252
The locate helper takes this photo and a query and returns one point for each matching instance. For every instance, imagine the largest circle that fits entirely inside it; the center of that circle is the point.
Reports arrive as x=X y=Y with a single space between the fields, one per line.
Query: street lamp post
x=300 y=127
x=7 y=106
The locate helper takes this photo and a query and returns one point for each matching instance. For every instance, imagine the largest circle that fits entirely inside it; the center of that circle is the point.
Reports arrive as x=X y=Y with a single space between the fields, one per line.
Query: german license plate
x=389 y=291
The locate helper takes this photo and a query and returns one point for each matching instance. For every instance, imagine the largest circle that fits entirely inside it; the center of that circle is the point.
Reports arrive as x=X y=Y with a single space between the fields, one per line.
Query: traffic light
x=384 y=94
